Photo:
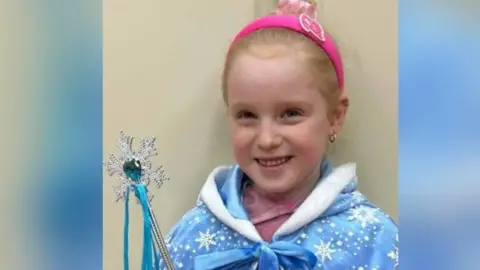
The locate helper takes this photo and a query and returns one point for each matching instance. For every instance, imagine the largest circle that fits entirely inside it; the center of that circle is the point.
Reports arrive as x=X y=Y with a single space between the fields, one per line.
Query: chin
x=275 y=187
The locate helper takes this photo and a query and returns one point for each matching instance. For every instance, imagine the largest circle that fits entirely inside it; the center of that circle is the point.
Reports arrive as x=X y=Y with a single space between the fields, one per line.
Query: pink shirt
x=265 y=214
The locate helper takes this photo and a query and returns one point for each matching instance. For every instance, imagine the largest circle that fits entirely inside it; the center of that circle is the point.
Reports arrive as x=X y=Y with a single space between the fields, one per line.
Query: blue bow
x=148 y=244
x=270 y=257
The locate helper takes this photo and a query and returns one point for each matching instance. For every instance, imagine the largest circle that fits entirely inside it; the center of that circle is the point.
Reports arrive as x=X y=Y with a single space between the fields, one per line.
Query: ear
x=339 y=113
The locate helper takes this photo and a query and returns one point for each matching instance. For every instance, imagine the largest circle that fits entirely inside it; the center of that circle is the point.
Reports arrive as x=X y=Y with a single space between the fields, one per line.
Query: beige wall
x=162 y=63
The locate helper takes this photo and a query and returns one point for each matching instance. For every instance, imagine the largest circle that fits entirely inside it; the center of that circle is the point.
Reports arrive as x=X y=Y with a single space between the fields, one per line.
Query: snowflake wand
x=135 y=172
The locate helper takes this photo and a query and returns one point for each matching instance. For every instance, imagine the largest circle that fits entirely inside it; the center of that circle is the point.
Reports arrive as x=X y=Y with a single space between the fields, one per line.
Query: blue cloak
x=336 y=227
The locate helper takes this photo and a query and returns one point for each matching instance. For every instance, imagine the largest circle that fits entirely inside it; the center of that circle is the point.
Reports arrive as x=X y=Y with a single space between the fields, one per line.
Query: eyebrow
x=289 y=103
x=296 y=103
x=238 y=105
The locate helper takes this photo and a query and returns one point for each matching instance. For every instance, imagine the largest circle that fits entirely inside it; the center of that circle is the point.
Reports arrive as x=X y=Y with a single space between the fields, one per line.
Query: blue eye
x=291 y=113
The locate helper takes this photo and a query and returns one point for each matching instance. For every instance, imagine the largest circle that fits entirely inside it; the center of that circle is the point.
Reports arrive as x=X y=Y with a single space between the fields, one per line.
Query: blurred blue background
x=64 y=206
x=439 y=135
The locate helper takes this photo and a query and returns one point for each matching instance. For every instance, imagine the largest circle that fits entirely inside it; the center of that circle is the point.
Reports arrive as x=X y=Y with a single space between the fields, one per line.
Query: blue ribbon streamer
x=270 y=257
x=148 y=244
x=156 y=258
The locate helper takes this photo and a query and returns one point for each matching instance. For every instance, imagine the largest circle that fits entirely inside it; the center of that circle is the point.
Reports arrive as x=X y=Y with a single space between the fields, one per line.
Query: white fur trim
x=212 y=199
x=319 y=199
x=315 y=205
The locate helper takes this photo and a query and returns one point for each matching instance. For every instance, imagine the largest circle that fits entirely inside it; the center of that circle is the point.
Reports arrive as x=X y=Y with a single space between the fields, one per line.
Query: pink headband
x=305 y=25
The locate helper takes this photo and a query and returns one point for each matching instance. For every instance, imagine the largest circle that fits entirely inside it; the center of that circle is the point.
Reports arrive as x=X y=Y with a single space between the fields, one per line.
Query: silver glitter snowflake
x=128 y=156
x=324 y=250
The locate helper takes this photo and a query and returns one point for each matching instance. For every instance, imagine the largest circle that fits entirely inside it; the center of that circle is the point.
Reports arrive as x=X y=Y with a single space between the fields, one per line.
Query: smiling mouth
x=273 y=162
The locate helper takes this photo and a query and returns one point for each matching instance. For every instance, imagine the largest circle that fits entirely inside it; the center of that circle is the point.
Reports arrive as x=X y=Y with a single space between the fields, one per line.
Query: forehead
x=273 y=78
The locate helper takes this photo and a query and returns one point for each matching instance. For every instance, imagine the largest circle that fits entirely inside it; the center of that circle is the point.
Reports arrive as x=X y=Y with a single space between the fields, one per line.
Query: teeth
x=272 y=162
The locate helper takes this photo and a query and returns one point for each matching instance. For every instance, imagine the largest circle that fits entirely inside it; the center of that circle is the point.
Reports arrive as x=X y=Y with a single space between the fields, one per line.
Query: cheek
x=311 y=139
x=241 y=140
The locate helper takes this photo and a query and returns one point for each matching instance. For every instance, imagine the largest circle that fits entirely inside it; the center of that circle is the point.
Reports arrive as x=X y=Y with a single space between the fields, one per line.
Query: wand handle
x=159 y=240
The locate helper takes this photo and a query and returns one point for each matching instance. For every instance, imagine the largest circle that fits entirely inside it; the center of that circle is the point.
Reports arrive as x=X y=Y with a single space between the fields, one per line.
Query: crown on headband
x=297 y=7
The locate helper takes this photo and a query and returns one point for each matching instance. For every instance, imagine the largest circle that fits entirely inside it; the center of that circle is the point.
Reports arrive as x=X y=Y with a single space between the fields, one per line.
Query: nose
x=268 y=137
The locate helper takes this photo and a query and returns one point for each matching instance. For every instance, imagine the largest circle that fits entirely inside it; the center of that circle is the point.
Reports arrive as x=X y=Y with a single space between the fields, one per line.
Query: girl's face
x=279 y=123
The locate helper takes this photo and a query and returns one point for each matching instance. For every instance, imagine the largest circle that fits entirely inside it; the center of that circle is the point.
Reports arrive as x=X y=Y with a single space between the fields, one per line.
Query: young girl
x=283 y=205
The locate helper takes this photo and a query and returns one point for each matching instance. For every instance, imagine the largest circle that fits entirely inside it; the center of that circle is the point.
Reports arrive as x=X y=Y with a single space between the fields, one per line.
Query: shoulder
x=371 y=221
x=361 y=236
x=373 y=236
x=183 y=239
x=191 y=222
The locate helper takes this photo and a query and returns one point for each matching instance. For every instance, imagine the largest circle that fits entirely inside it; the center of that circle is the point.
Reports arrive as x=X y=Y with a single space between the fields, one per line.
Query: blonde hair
x=315 y=59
